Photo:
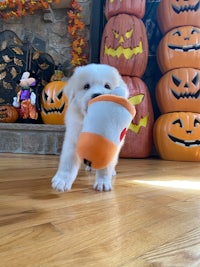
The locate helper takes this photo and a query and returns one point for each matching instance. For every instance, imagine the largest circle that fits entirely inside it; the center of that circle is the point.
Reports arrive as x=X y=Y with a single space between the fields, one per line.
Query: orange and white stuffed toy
x=104 y=128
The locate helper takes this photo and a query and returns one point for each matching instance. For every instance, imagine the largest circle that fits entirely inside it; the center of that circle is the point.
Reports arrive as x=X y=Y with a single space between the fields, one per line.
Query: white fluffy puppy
x=86 y=83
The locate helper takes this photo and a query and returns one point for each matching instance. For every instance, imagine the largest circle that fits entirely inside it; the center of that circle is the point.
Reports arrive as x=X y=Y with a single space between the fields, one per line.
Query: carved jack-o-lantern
x=139 y=137
x=124 y=45
x=179 y=48
x=115 y=7
x=175 y=13
x=53 y=103
x=8 y=114
x=177 y=136
x=179 y=90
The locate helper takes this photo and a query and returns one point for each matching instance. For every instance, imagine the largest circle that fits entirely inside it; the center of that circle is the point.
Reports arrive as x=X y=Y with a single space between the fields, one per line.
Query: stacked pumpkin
x=177 y=130
x=124 y=46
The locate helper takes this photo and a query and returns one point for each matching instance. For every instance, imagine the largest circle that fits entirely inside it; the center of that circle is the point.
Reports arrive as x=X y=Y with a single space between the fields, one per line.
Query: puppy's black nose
x=95 y=95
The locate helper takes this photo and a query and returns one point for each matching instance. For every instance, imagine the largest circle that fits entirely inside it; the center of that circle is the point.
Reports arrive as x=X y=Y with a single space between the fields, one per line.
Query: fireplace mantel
x=61 y=4
x=31 y=138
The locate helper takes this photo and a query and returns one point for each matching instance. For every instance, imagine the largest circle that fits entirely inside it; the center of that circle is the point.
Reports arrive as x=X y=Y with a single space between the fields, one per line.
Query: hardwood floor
x=151 y=218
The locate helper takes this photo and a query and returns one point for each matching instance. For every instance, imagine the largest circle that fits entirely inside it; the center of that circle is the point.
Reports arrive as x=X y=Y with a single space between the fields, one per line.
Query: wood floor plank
x=183 y=250
x=151 y=218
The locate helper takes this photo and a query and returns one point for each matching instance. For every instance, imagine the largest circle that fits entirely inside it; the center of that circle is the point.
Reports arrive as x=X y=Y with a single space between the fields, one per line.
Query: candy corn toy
x=105 y=124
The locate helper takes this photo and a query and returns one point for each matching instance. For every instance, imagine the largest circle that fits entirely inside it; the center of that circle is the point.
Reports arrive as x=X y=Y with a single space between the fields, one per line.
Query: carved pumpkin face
x=173 y=13
x=179 y=90
x=8 y=114
x=177 y=136
x=115 y=7
x=53 y=103
x=141 y=127
x=179 y=48
x=124 y=45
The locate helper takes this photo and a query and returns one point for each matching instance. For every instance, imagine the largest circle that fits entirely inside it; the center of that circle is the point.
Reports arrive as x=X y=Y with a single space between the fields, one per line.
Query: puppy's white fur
x=86 y=82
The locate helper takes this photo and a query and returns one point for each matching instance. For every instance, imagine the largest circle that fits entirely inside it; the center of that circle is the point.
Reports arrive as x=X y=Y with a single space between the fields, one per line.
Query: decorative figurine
x=26 y=98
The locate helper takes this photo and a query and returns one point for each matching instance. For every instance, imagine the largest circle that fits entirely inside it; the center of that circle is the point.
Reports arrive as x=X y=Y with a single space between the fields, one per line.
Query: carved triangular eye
x=178 y=121
x=45 y=96
x=116 y=34
x=60 y=94
x=129 y=34
x=196 y=123
x=178 y=33
x=175 y=80
x=195 y=80
x=195 y=30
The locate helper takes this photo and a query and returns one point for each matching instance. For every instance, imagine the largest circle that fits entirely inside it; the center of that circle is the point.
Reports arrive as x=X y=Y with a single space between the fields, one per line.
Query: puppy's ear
x=121 y=83
x=68 y=90
x=72 y=84
x=124 y=86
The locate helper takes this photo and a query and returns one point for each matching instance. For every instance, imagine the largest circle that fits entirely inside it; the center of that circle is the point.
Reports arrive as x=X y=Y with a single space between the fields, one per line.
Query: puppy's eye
x=107 y=86
x=86 y=86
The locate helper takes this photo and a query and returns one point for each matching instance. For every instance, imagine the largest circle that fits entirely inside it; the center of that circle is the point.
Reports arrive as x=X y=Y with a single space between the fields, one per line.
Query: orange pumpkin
x=53 y=103
x=179 y=48
x=177 y=136
x=115 y=7
x=124 y=45
x=179 y=90
x=173 y=13
x=8 y=114
x=139 y=137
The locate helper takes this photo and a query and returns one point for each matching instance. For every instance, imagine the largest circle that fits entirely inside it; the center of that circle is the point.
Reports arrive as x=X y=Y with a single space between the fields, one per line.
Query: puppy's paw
x=103 y=185
x=88 y=169
x=114 y=173
x=60 y=183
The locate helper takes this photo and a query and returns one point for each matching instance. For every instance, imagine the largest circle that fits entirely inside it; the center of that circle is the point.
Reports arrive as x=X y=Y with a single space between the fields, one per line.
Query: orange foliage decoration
x=19 y=8
x=76 y=31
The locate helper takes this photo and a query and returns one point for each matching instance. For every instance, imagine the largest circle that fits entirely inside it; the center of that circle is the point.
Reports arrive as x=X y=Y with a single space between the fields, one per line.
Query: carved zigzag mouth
x=186 y=95
x=186 y=8
x=185 y=48
x=54 y=110
x=128 y=53
x=184 y=143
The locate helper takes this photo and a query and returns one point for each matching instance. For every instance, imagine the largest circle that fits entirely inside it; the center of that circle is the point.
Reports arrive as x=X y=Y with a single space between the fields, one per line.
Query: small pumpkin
x=124 y=45
x=179 y=48
x=57 y=76
x=177 y=136
x=115 y=7
x=8 y=114
x=179 y=90
x=54 y=103
x=139 y=137
x=173 y=13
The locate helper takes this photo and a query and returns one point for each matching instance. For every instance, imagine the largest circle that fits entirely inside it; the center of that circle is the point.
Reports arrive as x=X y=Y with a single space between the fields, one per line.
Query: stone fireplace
x=45 y=31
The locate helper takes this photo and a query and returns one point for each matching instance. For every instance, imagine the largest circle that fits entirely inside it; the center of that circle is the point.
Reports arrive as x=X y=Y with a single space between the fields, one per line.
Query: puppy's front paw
x=103 y=185
x=114 y=173
x=61 y=183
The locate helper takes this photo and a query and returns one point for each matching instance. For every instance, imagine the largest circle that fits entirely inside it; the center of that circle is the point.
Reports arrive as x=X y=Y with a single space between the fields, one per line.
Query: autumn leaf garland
x=76 y=27
x=19 y=8
x=76 y=30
